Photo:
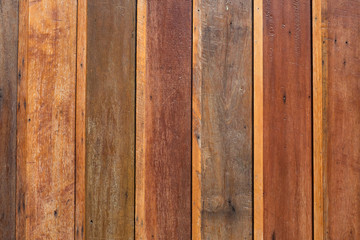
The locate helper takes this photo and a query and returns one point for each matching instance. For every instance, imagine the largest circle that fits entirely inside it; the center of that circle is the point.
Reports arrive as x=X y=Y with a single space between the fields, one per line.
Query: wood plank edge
x=140 y=224
x=258 y=121
x=317 y=122
x=80 y=121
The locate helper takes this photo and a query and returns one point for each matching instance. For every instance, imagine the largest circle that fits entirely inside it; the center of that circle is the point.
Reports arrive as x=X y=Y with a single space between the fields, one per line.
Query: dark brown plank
x=341 y=78
x=110 y=119
x=46 y=120
x=163 y=163
x=287 y=120
x=8 y=79
x=222 y=120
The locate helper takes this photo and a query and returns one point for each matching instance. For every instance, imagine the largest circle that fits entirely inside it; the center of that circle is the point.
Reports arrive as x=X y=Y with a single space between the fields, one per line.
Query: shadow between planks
x=179 y=119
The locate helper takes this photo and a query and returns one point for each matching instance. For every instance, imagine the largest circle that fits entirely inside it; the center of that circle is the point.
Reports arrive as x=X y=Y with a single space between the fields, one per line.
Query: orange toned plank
x=8 y=73
x=318 y=145
x=80 y=121
x=163 y=138
x=287 y=123
x=46 y=120
x=258 y=121
x=110 y=119
x=222 y=120
x=341 y=128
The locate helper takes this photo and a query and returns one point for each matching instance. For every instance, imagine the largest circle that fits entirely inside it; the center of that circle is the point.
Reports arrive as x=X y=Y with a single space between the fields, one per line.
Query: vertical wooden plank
x=80 y=167
x=46 y=120
x=341 y=93
x=318 y=146
x=110 y=119
x=258 y=122
x=222 y=119
x=287 y=120
x=8 y=79
x=163 y=141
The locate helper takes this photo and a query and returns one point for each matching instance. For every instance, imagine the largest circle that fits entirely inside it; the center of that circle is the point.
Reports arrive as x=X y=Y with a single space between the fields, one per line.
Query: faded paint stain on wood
x=163 y=198
x=287 y=120
x=341 y=93
x=8 y=100
x=46 y=120
x=222 y=119
x=110 y=119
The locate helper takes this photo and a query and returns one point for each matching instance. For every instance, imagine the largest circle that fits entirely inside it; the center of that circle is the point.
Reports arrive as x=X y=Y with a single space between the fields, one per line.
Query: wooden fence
x=180 y=119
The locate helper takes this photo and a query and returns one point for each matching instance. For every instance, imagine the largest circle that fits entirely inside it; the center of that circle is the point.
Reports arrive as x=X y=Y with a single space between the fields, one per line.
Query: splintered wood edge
x=80 y=121
x=317 y=121
x=258 y=121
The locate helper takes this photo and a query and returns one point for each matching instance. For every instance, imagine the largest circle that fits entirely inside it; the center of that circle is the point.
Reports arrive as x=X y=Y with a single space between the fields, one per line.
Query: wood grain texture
x=110 y=119
x=222 y=118
x=258 y=121
x=80 y=167
x=318 y=144
x=287 y=120
x=8 y=82
x=46 y=120
x=163 y=141
x=341 y=90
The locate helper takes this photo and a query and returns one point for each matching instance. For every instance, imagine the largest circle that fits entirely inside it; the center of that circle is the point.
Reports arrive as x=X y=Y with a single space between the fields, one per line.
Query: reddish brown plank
x=8 y=79
x=341 y=90
x=46 y=120
x=163 y=178
x=110 y=119
x=222 y=120
x=287 y=120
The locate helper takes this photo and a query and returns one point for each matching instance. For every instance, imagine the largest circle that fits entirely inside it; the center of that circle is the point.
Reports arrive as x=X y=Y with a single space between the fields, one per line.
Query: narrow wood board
x=80 y=168
x=318 y=140
x=8 y=80
x=222 y=120
x=258 y=121
x=110 y=119
x=163 y=121
x=287 y=122
x=46 y=120
x=341 y=93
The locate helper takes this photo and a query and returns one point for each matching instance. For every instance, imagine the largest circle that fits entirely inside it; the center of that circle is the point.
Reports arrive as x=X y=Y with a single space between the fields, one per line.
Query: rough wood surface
x=163 y=142
x=341 y=78
x=222 y=119
x=110 y=119
x=8 y=80
x=46 y=120
x=287 y=120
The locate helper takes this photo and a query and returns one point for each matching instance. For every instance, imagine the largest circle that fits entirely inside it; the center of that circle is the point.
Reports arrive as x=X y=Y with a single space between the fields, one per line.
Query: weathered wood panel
x=163 y=141
x=110 y=119
x=8 y=80
x=341 y=89
x=287 y=120
x=222 y=120
x=46 y=120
